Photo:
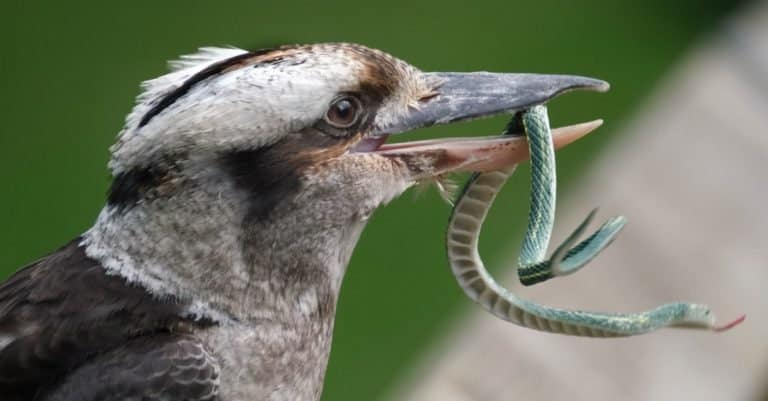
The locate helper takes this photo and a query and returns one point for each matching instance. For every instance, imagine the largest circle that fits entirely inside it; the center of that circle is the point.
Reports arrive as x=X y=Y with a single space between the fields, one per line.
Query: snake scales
x=463 y=233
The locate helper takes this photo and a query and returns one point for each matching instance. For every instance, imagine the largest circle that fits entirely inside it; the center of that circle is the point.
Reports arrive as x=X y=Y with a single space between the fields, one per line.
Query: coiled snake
x=463 y=233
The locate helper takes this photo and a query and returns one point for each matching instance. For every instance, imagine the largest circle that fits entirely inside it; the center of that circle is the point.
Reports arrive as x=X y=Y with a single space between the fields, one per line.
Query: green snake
x=467 y=218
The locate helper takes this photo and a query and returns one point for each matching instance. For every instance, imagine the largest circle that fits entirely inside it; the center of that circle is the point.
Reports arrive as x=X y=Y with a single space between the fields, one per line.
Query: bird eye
x=344 y=112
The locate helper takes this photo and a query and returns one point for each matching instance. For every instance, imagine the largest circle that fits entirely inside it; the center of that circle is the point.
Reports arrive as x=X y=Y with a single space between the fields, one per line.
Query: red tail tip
x=730 y=325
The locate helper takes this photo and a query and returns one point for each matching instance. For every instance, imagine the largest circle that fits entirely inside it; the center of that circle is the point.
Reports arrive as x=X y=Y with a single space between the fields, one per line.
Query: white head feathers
x=253 y=100
x=181 y=70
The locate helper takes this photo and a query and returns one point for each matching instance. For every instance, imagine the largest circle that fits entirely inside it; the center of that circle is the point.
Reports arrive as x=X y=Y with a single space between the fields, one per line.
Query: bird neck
x=201 y=246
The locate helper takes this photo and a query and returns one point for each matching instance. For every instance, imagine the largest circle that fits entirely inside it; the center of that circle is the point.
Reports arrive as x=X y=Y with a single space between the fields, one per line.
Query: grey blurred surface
x=690 y=175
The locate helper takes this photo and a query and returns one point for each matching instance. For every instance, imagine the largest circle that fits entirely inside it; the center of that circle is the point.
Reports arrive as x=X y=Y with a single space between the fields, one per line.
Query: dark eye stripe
x=128 y=188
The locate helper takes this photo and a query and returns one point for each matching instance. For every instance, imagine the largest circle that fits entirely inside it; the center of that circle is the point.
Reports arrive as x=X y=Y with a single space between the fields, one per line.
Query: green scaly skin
x=533 y=267
x=462 y=243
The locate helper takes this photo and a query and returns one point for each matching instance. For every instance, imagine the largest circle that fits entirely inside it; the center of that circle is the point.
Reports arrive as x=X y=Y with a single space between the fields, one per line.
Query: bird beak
x=466 y=96
x=442 y=156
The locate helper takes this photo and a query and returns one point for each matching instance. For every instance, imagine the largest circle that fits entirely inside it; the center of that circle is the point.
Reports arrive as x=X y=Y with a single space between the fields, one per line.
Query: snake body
x=533 y=267
x=464 y=226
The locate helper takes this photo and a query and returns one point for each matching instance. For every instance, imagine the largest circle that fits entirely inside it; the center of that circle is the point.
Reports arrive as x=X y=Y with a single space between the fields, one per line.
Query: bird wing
x=164 y=367
x=63 y=310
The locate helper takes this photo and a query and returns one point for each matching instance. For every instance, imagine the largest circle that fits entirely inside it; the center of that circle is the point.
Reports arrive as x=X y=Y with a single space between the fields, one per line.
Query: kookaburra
x=241 y=183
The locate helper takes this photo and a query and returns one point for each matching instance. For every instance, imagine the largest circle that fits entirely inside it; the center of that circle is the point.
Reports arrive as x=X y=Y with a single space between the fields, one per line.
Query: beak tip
x=565 y=135
x=593 y=125
x=596 y=85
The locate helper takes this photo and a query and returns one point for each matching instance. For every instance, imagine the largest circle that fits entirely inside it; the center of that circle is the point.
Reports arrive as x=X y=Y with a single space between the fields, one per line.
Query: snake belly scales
x=463 y=234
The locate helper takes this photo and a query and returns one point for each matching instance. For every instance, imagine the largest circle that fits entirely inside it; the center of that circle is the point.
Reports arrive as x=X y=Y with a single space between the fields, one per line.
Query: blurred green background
x=69 y=72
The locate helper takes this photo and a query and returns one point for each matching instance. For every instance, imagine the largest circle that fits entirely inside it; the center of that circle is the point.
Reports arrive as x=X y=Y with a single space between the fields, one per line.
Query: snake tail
x=467 y=266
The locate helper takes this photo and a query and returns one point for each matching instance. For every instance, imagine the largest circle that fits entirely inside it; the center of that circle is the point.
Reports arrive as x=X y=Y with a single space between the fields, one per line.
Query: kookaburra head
x=241 y=183
x=242 y=180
